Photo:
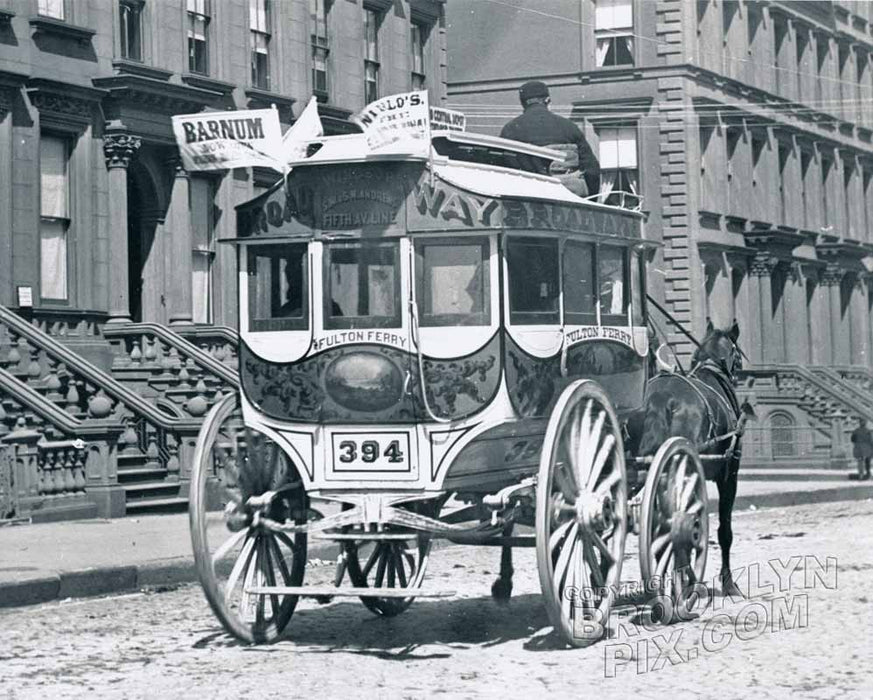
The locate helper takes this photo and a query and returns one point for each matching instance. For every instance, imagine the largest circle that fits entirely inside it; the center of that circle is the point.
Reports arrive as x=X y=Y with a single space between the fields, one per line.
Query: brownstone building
x=746 y=127
x=100 y=227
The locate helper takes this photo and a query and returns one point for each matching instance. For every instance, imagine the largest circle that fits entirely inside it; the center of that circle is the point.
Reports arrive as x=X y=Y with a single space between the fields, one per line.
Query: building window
x=613 y=32
x=319 y=42
x=618 y=164
x=51 y=8
x=201 y=193
x=54 y=221
x=259 y=24
x=198 y=37
x=782 y=435
x=419 y=41
x=130 y=29
x=371 y=55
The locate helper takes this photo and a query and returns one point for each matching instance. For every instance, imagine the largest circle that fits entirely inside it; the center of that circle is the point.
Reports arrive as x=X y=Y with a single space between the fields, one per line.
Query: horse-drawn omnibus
x=420 y=330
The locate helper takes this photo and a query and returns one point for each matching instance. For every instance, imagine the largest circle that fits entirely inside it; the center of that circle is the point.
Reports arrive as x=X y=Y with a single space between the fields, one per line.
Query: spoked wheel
x=398 y=563
x=674 y=527
x=234 y=554
x=581 y=517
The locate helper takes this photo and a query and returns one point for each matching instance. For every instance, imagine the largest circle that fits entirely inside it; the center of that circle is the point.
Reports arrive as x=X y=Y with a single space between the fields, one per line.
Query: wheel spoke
x=664 y=560
x=680 y=481
x=595 y=539
x=659 y=542
x=688 y=491
x=271 y=576
x=589 y=447
x=280 y=560
x=286 y=541
x=241 y=563
x=392 y=567
x=567 y=549
x=380 y=567
x=606 y=485
x=401 y=573
x=559 y=532
x=600 y=460
x=374 y=555
x=566 y=482
x=593 y=564
x=228 y=545
x=695 y=507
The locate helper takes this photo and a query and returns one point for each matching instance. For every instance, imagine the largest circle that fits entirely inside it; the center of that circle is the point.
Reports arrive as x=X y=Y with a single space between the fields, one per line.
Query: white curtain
x=602 y=49
x=607 y=183
x=258 y=15
x=53 y=177
x=53 y=258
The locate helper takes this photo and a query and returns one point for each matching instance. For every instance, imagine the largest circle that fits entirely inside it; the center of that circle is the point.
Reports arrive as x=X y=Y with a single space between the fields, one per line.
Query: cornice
x=154 y=95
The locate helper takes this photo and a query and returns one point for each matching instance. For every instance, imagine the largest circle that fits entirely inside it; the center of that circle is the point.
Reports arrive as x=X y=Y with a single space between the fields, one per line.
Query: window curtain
x=53 y=259
x=603 y=45
x=258 y=15
x=201 y=195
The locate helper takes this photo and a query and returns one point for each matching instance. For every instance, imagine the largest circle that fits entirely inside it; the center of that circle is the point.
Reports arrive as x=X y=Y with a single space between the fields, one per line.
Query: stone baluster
x=151 y=351
x=79 y=470
x=135 y=353
x=13 y=357
x=173 y=460
x=53 y=382
x=128 y=442
x=153 y=455
x=69 y=478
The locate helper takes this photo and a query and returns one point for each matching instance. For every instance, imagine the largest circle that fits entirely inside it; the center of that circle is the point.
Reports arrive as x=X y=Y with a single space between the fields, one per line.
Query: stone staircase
x=113 y=442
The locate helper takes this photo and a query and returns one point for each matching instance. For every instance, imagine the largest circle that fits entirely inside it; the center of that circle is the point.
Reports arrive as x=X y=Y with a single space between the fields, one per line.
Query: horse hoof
x=501 y=590
x=730 y=589
x=323 y=599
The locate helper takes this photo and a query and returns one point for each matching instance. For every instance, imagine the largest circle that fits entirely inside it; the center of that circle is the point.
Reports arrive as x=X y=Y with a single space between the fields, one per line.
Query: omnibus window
x=579 y=298
x=637 y=289
x=533 y=281
x=362 y=285
x=453 y=282
x=278 y=288
x=612 y=279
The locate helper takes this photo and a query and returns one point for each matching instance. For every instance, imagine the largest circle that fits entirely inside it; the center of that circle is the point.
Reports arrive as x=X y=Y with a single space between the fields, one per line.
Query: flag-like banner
x=402 y=119
x=442 y=119
x=219 y=140
x=306 y=128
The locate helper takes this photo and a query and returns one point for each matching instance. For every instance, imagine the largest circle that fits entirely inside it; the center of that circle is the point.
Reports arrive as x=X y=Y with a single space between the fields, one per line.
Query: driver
x=538 y=125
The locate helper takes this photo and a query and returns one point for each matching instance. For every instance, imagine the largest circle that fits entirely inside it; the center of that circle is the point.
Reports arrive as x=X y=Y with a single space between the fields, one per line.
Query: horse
x=702 y=407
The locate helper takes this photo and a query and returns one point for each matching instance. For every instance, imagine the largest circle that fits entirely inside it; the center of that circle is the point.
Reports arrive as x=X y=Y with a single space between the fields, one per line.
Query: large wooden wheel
x=232 y=552
x=674 y=522
x=581 y=516
x=393 y=563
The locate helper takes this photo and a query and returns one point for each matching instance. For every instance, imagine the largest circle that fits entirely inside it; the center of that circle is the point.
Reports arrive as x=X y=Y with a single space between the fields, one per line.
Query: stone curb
x=169 y=572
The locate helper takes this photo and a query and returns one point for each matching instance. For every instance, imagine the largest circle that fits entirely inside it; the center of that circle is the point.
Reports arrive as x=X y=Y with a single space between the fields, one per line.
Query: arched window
x=782 y=435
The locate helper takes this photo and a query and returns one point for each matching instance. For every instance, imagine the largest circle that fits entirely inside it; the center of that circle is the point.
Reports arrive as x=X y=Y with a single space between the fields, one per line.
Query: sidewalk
x=54 y=561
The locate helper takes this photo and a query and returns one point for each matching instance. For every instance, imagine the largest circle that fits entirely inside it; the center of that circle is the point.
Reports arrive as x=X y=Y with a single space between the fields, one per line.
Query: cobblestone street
x=812 y=644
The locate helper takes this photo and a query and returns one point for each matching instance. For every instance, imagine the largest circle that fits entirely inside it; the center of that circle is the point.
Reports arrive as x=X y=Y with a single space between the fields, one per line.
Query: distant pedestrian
x=579 y=170
x=862 y=448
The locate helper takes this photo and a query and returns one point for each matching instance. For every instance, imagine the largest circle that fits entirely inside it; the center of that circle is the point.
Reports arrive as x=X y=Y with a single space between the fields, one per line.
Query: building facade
x=97 y=217
x=101 y=227
x=746 y=127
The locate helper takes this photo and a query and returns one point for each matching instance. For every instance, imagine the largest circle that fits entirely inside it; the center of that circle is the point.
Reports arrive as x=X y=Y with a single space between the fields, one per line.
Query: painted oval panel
x=364 y=381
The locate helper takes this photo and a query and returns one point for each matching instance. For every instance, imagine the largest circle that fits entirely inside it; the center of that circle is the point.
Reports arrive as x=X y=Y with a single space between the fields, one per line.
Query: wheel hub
x=594 y=511
x=686 y=530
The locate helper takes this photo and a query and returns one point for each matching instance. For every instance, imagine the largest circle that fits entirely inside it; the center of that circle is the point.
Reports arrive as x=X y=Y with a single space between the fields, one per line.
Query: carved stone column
x=118 y=148
x=860 y=327
x=7 y=284
x=832 y=278
x=180 y=246
x=761 y=309
x=796 y=324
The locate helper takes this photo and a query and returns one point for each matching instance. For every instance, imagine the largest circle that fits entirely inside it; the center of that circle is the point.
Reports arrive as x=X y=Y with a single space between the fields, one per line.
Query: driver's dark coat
x=541 y=127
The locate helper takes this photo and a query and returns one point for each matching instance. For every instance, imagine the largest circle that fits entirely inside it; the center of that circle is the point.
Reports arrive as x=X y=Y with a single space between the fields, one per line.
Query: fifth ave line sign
x=238 y=139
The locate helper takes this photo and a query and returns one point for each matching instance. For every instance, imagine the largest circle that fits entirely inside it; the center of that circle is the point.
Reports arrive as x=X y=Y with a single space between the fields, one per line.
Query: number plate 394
x=363 y=452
